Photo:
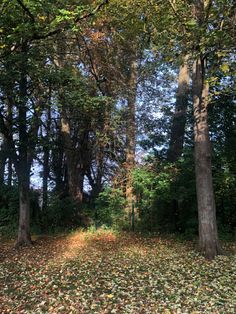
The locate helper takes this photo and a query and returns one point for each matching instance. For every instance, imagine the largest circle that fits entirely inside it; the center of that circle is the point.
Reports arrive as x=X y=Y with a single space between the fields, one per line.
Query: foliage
x=164 y=193
x=110 y=208
x=9 y=208
x=61 y=213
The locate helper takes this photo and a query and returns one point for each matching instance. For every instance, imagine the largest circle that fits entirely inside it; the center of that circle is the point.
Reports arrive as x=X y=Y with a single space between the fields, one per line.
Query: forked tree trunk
x=131 y=141
x=74 y=160
x=179 y=118
x=208 y=236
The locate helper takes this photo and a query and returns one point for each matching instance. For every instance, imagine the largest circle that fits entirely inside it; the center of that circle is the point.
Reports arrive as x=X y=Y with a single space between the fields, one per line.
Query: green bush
x=166 y=199
x=110 y=209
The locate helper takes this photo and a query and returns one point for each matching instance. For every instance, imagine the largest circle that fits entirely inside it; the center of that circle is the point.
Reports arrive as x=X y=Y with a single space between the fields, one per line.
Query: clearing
x=103 y=272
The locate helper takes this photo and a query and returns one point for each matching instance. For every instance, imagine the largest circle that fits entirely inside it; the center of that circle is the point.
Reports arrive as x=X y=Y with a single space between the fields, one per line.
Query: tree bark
x=23 y=168
x=46 y=155
x=178 y=126
x=74 y=165
x=73 y=154
x=179 y=119
x=24 y=237
x=208 y=235
x=58 y=164
x=131 y=141
x=45 y=175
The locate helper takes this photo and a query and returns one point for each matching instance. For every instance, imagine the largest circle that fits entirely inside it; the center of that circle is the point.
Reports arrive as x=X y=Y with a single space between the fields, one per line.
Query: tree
x=200 y=35
x=179 y=119
x=20 y=34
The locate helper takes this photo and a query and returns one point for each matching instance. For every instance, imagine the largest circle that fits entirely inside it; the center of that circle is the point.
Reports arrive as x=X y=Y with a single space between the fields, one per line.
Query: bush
x=110 y=209
x=166 y=199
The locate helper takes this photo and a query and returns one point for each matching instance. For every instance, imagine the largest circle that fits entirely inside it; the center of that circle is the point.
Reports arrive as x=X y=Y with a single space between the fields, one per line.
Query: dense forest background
x=118 y=114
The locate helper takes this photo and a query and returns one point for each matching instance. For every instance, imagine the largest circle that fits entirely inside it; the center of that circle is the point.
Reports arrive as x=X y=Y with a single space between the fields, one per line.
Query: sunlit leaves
x=224 y=68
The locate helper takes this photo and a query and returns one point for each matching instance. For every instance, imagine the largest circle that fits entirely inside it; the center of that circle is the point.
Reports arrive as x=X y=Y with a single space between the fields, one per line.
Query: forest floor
x=103 y=272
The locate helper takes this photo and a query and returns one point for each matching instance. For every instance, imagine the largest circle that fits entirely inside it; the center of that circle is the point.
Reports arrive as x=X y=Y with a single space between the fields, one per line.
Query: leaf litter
x=103 y=272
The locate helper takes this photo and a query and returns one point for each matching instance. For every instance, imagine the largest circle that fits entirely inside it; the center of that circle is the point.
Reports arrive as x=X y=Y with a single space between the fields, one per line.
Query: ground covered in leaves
x=106 y=273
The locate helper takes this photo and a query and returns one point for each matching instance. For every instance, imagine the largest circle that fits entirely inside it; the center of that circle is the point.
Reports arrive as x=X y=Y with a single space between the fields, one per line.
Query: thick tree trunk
x=74 y=160
x=208 y=236
x=23 y=167
x=131 y=141
x=178 y=126
x=24 y=237
x=179 y=119
x=74 y=165
x=24 y=220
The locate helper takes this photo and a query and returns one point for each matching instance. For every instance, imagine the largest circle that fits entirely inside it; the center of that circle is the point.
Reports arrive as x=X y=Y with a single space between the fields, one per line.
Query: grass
x=105 y=272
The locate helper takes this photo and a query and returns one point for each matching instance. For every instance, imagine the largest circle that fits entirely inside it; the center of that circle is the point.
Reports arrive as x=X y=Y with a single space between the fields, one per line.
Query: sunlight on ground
x=82 y=240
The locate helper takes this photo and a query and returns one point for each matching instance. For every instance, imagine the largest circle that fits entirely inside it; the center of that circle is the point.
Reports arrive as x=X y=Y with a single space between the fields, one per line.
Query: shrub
x=110 y=209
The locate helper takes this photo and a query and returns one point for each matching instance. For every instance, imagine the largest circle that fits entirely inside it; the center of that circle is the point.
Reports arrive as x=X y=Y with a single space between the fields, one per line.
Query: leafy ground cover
x=103 y=272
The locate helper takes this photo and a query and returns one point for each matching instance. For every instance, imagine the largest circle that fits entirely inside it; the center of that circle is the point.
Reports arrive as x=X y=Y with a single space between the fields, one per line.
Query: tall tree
x=208 y=235
x=179 y=119
x=202 y=32
x=131 y=137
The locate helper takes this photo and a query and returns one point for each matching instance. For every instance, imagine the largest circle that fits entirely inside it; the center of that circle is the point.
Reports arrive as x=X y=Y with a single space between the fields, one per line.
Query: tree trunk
x=131 y=141
x=10 y=172
x=74 y=160
x=46 y=153
x=208 y=236
x=179 y=119
x=3 y=159
x=178 y=126
x=74 y=165
x=23 y=168
x=24 y=220
x=58 y=164
x=45 y=176
x=9 y=123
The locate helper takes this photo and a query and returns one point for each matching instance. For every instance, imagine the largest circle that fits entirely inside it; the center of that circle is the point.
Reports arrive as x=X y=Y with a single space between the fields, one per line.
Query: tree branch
x=77 y=20
x=24 y=7
x=176 y=14
x=92 y=66
x=98 y=8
